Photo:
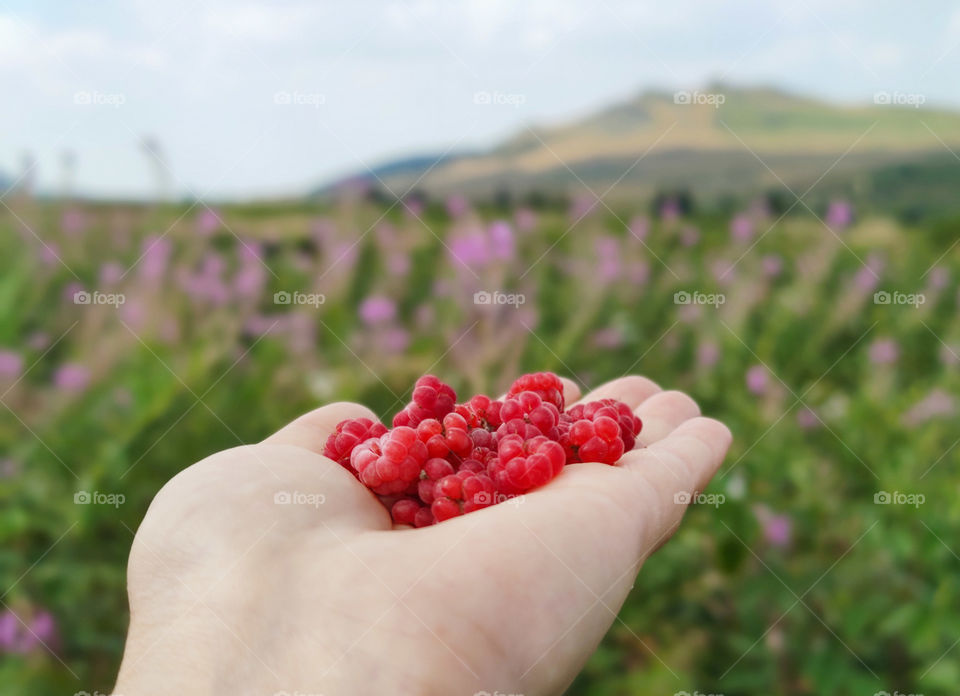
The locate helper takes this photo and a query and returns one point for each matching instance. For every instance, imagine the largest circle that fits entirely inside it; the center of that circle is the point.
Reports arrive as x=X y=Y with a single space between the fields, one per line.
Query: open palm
x=268 y=569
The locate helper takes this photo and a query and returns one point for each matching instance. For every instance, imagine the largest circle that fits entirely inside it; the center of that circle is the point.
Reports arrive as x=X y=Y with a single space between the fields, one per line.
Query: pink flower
x=639 y=228
x=73 y=222
x=777 y=529
x=807 y=419
x=71 y=377
x=156 y=257
x=207 y=222
x=689 y=236
x=501 y=240
x=525 y=219
x=741 y=228
x=758 y=379
x=49 y=253
x=839 y=215
x=935 y=404
x=111 y=273
x=707 y=354
x=470 y=249
x=398 y=263
x=772 y=265
x=884 y=351
x=395 y=339
x=11 y=364
x=610 y=337
x=608 y=258
x=377 y=309
x=457 y=205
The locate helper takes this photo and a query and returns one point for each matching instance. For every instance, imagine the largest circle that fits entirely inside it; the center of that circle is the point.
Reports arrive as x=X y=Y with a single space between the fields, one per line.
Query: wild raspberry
x=529 y=407
x=431 y=399
x=443 y=438
x=392 y=463
x=461 y=493
x=481 y=412
x=522 y=465
x=405 y=510
x=546 y=384
x=598 y=431
x=349 y=434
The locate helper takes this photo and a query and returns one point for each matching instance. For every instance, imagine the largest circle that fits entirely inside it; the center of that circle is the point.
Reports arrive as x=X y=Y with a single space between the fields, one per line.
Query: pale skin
x=233 y=593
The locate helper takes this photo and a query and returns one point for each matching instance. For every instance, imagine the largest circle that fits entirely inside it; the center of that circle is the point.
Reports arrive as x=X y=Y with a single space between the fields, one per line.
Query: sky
x=256 y=99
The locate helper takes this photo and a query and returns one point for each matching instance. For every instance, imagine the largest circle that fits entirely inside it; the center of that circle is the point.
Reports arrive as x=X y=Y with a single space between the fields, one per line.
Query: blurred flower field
x=136 y=340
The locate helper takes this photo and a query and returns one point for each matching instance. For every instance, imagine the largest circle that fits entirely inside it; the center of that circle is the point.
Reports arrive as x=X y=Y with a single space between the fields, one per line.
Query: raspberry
x=529 y=407
x=443 y=438
x=442 y=459
x=349 y=434
x=545 y=384
x=598 y=431
x=460 y=493
x=405 y=510
x=481 y=412
x=522 y=465
x=392 y=463
x=431 y=399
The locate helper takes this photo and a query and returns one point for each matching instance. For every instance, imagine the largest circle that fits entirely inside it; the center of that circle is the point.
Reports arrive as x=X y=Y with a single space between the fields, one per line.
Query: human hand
x=231 y=592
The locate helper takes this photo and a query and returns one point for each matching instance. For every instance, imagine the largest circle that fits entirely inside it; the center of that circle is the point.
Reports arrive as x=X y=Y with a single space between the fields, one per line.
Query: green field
x=800 y=582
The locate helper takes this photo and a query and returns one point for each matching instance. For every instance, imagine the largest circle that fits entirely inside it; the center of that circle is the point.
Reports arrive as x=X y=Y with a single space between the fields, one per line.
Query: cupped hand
x=268 y=569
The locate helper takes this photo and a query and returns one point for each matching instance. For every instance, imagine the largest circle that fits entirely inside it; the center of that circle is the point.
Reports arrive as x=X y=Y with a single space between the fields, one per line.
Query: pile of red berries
x=442 y=459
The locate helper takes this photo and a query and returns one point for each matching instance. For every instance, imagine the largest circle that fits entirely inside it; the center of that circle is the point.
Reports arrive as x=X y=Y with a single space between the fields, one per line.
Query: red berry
x=348 y=434
x=545 y=384
x=522 y=465
x=405 y=510
x=481 y=412
x=598 y=431
x=431 y=399
x=391 y=463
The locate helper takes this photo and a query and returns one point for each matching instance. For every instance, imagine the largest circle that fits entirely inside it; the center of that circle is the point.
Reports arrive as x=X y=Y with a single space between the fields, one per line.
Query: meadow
x=138 y=339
